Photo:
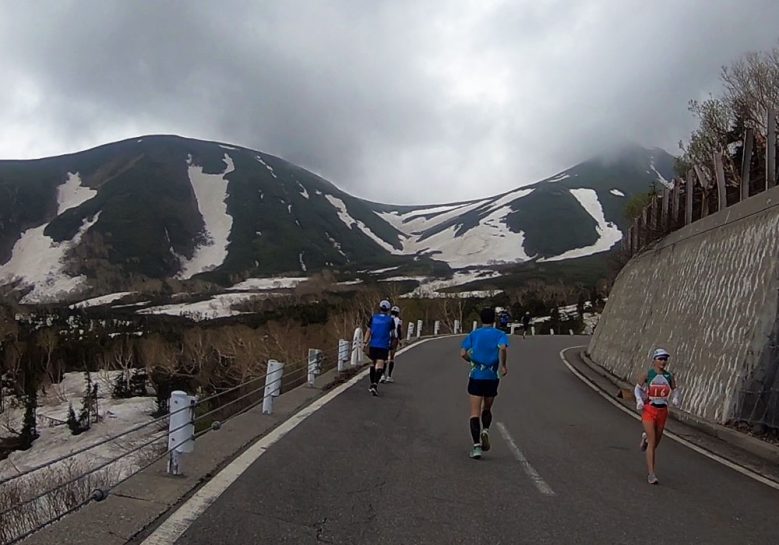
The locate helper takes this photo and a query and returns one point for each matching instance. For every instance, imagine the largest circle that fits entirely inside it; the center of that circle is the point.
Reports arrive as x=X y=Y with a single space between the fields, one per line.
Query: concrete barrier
x=708 y=294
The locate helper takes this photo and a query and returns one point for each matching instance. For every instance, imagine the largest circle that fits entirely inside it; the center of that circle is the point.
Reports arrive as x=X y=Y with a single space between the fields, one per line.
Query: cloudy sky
x=398 y=101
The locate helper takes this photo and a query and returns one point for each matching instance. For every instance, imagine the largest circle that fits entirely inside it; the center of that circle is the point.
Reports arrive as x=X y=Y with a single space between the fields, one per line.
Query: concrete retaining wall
x=708 y=294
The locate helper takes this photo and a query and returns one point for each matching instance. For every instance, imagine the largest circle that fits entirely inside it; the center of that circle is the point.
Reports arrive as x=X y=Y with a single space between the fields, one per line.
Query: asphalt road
x=395 y=469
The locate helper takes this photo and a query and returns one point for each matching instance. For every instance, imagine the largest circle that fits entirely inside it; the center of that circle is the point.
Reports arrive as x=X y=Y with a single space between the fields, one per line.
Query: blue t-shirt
x=485 y=343
x=382 y=327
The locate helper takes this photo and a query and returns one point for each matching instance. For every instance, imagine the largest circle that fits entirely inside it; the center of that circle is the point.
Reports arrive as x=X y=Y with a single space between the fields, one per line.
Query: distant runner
x=396 y=338
x=525 y=324
x=652 y=394
x=378 y=340
x=486 y=350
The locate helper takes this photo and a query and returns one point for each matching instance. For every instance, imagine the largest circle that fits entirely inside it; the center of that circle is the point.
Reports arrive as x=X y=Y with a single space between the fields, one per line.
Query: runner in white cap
x=378 y=340
x=653 y=392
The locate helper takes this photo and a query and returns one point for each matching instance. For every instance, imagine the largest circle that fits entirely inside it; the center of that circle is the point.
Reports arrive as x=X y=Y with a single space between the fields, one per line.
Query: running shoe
x=476 y=452
x=485 y=440
x=644 y=442
x=373 y=390
x=389 y=379
x=652 y=479
x=383 y=379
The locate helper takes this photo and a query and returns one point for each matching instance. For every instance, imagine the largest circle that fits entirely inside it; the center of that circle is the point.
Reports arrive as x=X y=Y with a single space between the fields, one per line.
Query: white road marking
x=538 y=481
x=700 y=450
x=175 y=525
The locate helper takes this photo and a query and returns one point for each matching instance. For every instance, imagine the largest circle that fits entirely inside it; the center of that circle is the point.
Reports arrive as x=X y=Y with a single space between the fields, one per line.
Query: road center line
x=535 y=477
x=692 y=446
x=177 y=523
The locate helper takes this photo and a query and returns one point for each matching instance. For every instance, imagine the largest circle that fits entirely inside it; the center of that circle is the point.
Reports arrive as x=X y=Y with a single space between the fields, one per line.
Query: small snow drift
x=72 y=194
x=617 y=192
x=211 y=193
x=102 y=300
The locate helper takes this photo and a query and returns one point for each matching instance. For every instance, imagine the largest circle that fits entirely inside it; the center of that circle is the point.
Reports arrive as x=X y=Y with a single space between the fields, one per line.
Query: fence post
x=410 y=330
x=770 y=150
x=533 y=330
x=551 y=331
x=636 y=240
x=689 y=196
x=570 y=331
x=665 y=223
x=436 y=328
x=475 y=325
x=719 y=171
x=273 y=375
x=653 y=217
x=514 y=328
x=314 y=365
x=343 y=355
x=675 y=204
x=457 y=327
x=703 y=179
x=357 y=346
x=419 y=328
x=181 y=429
x=746 y=162
x=643 y=230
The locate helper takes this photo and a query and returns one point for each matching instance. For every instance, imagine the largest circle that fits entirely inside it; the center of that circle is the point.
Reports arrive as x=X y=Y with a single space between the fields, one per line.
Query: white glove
x=676 y=398
x=638 y=391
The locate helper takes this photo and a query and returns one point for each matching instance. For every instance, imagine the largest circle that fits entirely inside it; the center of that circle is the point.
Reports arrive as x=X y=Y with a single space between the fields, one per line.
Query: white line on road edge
x=540 y=483
x=175 y=525
x=700 y=450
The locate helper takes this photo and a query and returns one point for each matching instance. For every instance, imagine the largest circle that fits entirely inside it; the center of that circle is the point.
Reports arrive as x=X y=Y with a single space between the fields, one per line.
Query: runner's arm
x=503 y=357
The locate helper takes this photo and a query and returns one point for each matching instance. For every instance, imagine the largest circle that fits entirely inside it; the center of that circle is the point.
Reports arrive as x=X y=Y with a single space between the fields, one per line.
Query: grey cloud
x=398 y=101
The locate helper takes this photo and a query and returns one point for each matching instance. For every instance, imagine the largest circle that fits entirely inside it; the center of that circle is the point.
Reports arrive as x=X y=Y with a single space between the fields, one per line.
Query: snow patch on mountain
x=211 y=194
x=275 y=283
x=72 y=194
x=102 y=300
x=266 y=165
x=608 y=233
x=38 y=261
x=660 y=177
x=490 y=242
x=303 y=191
x=417 y=221
x=617 y=192
x=350 y=222
x=559 y=178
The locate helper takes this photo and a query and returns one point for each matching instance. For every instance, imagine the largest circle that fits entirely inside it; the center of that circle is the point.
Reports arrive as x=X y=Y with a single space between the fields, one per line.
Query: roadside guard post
x=357 y=346
x=181 y=429
x=275 y=371
x=410 y=330
x=314 y=365
x=419 y=328
x=343 y=355
x=457 y=327
x=436 y=328
x=475 y=325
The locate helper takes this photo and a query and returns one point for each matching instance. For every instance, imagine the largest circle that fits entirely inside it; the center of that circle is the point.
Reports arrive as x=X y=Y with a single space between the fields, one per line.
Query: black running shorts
x=483 y=388
x=378 y=354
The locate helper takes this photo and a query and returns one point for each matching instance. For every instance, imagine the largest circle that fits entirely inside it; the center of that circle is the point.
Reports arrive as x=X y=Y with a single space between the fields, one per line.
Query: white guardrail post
x=181 y=429
x=419 y=328
x=514 y=328
x=551 y=331
x=273 y=374
x=410 y=330
x=532 y=330
x=357 y=347
x=475 y=325
x=436 y=327
x=570 y=331
x=314 y=365
x=457 y=327
x=343 y=355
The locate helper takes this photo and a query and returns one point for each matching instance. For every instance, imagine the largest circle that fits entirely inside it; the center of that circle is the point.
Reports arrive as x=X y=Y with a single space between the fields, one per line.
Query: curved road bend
x=395 y=469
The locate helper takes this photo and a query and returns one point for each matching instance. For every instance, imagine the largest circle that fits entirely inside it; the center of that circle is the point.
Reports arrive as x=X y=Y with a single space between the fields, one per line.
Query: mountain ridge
x=166 y=206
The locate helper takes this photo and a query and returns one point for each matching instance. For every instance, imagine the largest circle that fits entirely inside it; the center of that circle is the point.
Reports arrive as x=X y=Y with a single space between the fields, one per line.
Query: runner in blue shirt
x=486 y=350
x=378 y=341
